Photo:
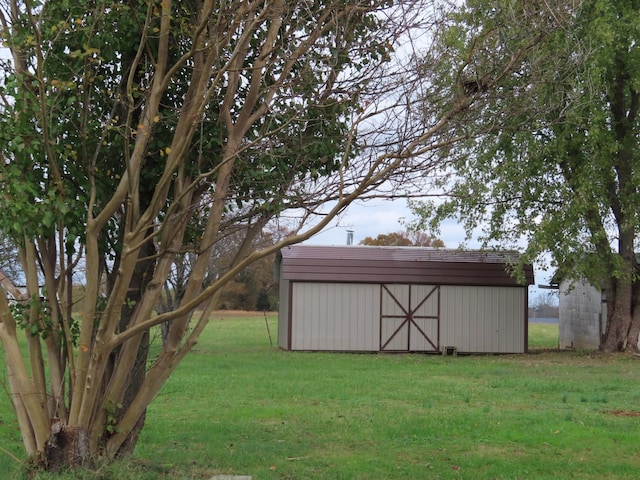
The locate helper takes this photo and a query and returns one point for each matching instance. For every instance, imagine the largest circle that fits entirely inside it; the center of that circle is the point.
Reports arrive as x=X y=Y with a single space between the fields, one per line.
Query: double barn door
x=409 y=318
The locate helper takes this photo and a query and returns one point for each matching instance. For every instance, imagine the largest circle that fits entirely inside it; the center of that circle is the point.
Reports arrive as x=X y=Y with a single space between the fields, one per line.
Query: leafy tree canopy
x=138 y=136
x=558 y=165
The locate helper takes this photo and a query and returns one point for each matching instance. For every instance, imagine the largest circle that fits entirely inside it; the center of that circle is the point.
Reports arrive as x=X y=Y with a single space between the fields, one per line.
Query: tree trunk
x=634 y=330
x=138 y=374
x=619 y=316
x=66 y=447
x=142 y=274
x=634 y=334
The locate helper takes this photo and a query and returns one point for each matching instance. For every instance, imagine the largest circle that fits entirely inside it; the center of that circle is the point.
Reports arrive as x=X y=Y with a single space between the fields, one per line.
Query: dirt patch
x=624 y=413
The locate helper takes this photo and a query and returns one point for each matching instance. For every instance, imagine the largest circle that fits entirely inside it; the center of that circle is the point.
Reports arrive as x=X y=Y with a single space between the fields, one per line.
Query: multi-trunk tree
x=137 y=133
x=560 y=165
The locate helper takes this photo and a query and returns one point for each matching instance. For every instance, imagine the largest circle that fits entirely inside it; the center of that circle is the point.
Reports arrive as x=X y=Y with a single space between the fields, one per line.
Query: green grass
x=240 y=406
x=543 y=336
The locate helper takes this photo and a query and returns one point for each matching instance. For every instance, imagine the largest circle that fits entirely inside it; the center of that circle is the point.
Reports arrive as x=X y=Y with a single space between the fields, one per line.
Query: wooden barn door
x=409 y=318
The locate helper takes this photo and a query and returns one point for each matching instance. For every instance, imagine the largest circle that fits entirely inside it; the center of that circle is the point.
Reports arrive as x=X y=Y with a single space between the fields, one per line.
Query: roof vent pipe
x=349 y=237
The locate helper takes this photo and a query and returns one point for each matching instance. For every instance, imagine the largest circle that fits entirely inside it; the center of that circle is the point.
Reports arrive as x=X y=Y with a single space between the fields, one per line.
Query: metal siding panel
x=343 y=320
x=318 y=300
x=347 y=317
x=399 y=340
x=358 y=320
x=488 y=323
x=395 y=298
x=316 y=340
x=363 y=310
x=508 y=320
x=483 y=319
x=520 y=302
x=447 y=312
x=339 y=319
x=491 y=323
x=335 y=317
x=418 y=342
x=428 y=307
x=329 y=336
x=514 y=300
x=467 y=299
x=351 y=326
x=498 y=319
x=425 y=304
x=478 y=316
x=310 y=303
x=366 y=313
x=372 y=329
x=303 y=318
x=298 y=323
x=327 y=325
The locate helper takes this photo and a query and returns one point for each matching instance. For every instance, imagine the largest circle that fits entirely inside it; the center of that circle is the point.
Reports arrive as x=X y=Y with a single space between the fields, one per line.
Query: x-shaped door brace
x=408 y=317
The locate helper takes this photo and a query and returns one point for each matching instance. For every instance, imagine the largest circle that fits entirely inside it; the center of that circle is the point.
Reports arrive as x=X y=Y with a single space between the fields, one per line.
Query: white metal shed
x=401 y=299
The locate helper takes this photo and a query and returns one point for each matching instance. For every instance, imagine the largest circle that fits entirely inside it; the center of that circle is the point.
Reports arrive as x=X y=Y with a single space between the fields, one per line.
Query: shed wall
x=484 y=319
x=335 y=316
x=582 y=316
x=347 y=317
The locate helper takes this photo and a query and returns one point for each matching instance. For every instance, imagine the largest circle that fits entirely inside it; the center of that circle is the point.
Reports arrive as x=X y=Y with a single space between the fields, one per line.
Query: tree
x=256 y=281
x=560 y=166
x=242 y=293
x=138 y=135
x=404 y=239
x=544 y=305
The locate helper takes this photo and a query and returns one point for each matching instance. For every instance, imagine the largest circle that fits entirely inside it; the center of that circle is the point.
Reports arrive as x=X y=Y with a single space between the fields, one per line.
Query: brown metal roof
x=400 y=265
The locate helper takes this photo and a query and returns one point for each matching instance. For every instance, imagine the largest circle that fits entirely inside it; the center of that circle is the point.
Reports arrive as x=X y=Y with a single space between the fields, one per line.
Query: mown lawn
x=241 y=406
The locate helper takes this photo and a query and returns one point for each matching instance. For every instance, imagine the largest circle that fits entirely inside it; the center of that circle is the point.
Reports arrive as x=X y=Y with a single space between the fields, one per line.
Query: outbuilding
x=583 y=315
x=401 y=299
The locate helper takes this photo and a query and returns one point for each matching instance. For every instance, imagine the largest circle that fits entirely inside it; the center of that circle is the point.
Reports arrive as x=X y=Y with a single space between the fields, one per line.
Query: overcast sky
x=375 y=217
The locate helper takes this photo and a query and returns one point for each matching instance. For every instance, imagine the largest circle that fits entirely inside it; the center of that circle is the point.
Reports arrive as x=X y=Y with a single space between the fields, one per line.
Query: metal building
x=583 y=315
x=401 y=299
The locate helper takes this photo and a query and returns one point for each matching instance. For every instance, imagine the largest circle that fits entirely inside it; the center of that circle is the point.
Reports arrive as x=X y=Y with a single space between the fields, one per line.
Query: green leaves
x=111 y=421
x=42 y=324
x=548 y=161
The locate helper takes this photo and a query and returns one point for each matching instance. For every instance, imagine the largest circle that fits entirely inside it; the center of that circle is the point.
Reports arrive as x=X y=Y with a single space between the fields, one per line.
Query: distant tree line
x=544 y=305
x=403 y=239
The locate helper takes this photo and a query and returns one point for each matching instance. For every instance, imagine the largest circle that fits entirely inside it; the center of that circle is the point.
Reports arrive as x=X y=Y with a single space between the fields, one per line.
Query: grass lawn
x=240 y=406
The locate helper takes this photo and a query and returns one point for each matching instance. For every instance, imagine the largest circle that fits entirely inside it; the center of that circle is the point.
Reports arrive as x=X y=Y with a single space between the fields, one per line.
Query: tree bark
x=142 y=274
x=619 y=308
x=66 y=447
x=634 y=331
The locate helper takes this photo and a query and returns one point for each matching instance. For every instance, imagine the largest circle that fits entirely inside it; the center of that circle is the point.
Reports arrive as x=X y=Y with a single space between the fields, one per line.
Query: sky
x=375 y=217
